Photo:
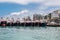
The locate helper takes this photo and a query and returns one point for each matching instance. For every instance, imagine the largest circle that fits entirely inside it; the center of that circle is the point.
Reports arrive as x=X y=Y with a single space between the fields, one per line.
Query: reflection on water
x=30 y=33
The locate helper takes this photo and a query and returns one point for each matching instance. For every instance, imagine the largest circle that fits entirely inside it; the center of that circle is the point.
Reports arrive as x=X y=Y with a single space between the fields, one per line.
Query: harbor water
x=29 y=33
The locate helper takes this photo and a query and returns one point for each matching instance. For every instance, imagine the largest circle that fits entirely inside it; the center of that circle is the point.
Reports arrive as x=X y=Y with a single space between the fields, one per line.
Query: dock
x=26 y=23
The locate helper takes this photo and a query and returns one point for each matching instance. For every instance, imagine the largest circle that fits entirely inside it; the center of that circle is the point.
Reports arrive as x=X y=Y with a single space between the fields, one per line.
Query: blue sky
x=24 y=8
x=7 y=8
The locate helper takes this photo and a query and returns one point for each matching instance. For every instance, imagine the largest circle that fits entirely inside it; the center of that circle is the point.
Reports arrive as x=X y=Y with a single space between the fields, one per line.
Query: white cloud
x=22 y=1
x=44 y=5
x=44 y=8
x=18 y=13
x=52 y=2
x=44 y=2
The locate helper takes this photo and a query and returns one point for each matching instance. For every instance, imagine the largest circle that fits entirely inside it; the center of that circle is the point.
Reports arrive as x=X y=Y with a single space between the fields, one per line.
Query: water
x=30 y=33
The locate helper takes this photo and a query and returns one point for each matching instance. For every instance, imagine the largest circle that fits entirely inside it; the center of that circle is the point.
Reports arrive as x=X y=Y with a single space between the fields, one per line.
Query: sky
x=23 y=8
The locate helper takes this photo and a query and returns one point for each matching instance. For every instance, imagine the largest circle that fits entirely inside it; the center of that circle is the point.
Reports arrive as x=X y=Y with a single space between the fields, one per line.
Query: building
x=55 y=14
x=37 y=17
x=48 y=17
x=27 y=18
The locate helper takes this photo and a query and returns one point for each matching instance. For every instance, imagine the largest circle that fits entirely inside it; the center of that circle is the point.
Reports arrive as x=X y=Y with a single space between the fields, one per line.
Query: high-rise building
x=55 y=14
x=27 y=18
x=37 y=17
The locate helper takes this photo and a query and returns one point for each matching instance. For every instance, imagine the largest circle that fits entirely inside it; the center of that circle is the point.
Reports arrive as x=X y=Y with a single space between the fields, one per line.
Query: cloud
x=44 y=2
x=18 y=13
x=22 y=1
x=52 y=2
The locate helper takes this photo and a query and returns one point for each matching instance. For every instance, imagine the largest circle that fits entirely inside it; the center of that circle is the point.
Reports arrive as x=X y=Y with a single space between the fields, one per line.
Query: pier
x=26 y=23
x=29 y=23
